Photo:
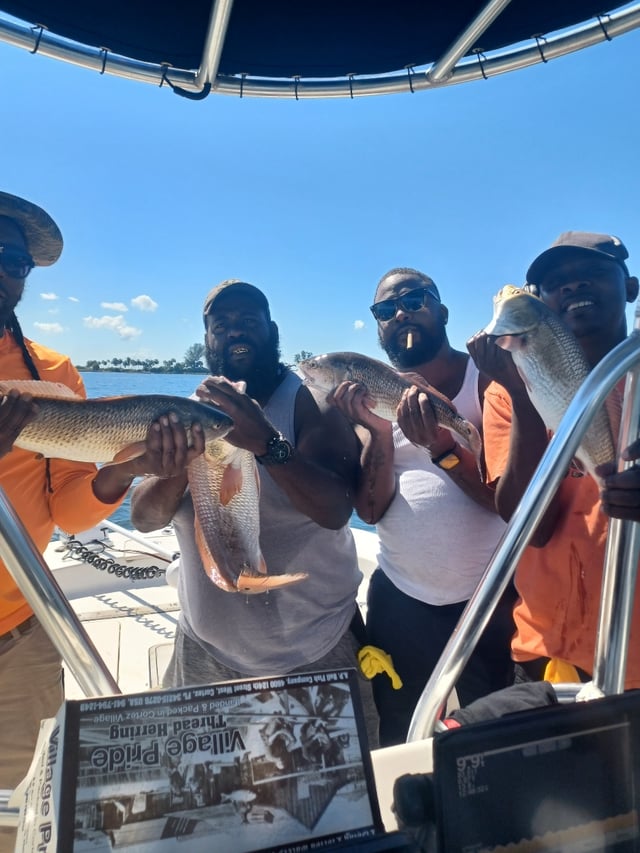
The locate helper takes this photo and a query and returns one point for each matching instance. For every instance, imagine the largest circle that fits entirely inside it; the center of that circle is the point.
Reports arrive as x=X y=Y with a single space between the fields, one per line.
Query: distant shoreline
x=157 y=371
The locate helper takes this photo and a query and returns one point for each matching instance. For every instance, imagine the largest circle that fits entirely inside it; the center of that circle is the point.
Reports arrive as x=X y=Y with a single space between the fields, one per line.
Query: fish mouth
x=498 y=327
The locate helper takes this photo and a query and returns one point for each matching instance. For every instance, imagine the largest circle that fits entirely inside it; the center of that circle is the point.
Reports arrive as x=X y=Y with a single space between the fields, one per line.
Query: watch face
x=279 y=451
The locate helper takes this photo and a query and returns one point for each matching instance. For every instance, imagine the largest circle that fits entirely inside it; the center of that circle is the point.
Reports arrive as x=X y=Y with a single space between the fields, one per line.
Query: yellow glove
x=373 y=661
x=560 y=672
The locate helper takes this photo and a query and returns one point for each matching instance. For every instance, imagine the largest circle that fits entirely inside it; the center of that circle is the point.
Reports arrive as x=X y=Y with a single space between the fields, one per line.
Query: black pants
x=415 y=634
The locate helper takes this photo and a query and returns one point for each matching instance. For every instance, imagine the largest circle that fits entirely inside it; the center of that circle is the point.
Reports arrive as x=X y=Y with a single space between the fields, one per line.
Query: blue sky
x=159 y=198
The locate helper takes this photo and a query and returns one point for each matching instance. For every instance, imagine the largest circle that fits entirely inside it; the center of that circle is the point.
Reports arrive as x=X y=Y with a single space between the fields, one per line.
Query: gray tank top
x=277 y=631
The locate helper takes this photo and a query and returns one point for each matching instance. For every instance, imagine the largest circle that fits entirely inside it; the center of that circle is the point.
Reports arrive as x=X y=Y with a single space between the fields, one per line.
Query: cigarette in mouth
x=409 y=340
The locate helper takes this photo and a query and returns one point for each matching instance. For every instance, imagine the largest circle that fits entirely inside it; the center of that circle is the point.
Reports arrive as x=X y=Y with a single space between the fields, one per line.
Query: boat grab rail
x=52 y=609
x=621 y=558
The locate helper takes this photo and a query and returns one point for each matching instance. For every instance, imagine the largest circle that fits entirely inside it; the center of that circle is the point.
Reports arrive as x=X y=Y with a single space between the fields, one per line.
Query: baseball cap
x=42 y=235
x=237 y=286
x=604 y=245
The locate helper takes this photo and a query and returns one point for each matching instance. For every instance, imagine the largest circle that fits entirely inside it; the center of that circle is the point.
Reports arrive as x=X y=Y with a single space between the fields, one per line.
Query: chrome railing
x=622 y=547
x=38 y=585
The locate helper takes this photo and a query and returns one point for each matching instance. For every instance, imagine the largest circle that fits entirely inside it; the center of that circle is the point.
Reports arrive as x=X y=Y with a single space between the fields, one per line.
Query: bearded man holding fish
x=268 y=571
x=542 y=342
x=43 y=492
x=421 y=486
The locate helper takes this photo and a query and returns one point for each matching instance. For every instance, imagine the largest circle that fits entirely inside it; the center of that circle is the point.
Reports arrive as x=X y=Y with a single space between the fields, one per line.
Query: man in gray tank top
x=307 y=475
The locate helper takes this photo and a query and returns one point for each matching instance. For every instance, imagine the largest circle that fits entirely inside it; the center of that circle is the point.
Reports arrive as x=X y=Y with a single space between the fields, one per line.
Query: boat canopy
x=313 y=48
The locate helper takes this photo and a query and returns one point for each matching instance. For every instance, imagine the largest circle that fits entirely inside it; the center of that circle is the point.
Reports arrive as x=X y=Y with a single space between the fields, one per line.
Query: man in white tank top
x=435 y=518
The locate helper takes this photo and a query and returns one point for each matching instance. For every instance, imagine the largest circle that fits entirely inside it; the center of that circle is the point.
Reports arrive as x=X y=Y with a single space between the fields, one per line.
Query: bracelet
x=437 y=459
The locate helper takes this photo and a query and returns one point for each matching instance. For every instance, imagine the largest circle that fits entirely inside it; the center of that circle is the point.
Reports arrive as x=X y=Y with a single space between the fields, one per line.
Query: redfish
x=104 y=429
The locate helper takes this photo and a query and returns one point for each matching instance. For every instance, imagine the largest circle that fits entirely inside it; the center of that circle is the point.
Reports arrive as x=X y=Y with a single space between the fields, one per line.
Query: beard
x=259 y=376
x=423 y=350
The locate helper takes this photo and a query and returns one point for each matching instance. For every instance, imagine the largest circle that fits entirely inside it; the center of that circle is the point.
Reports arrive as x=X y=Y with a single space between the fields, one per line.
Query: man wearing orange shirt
x=44 y=493
x=584 y=279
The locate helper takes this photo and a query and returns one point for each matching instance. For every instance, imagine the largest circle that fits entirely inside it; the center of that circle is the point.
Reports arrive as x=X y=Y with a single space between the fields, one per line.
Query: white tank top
x=435 y=541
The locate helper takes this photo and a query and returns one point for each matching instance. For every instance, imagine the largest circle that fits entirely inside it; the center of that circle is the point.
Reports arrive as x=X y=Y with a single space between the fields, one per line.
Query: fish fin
x=38 y=388
x=253 y=584
x=131 y=451
x=211 y=568
x=613 y=408
x=231 y=484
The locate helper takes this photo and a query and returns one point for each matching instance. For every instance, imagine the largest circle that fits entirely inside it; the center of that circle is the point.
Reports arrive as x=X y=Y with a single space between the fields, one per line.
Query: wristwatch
x=447 y=460
x=279 y=451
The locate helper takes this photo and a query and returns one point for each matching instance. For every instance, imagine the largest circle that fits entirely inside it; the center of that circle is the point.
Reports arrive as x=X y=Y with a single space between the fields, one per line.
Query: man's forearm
x=155 y=500
x=377 y=485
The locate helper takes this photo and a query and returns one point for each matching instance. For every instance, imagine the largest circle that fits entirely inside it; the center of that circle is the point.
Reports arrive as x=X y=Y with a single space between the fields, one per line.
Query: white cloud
x=114 y=306
x=51 y=328
x=144 y=303
x=73 y=299
x=53 y=311
x=113 y=324
x=50 y=297
x=359 y=324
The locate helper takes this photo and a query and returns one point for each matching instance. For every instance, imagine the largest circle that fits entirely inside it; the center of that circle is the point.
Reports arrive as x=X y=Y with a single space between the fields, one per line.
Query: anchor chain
x=108 y=564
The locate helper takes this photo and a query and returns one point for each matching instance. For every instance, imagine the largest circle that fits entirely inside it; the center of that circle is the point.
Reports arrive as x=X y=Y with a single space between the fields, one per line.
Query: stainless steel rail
x=613 y=641
x=441 y=73
x=55 y=614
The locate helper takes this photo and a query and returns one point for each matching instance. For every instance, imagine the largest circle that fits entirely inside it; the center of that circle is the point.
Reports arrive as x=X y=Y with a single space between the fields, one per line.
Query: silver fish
x=225 y=486
x=104 y=429
x=385 y=386
x=553 y=366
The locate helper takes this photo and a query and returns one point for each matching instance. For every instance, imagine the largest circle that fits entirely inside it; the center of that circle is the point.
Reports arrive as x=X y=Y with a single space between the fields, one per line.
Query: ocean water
x=105 y=384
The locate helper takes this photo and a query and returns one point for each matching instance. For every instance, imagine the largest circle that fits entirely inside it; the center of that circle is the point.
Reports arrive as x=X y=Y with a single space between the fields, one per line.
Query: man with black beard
x=436 y=520
x=308 y=467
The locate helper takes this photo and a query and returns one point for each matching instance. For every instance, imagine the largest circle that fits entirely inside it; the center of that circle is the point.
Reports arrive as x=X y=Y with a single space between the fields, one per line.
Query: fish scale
x=553 y=366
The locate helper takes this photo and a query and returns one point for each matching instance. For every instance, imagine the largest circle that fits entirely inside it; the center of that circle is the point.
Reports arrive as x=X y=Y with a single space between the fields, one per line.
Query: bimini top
x=309 y=48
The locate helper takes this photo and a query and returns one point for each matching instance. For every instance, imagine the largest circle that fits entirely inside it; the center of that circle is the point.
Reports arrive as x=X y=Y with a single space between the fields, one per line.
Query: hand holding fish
x=620 y=493
x=418 y=421
x=251 y=428
x=496 y=363
x=354 y=401
x=169 y=452
x=16 y=411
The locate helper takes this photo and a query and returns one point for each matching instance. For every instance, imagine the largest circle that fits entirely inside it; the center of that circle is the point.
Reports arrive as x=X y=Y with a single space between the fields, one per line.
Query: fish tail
x=256 y=583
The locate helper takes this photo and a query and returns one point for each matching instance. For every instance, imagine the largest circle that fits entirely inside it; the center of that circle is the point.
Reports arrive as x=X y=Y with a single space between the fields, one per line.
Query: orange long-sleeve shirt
x=71 y=505
x=560 y=584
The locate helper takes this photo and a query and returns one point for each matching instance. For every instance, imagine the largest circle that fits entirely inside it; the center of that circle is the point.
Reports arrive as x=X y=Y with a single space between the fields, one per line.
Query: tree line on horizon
x=193 y=362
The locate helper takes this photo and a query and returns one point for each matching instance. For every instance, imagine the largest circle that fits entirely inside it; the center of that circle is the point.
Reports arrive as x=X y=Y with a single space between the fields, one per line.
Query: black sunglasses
x=414 y=300
x=15 y=263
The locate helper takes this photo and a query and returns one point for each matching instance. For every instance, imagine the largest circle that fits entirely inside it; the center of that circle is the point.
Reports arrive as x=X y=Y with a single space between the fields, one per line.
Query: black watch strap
x=279 y=451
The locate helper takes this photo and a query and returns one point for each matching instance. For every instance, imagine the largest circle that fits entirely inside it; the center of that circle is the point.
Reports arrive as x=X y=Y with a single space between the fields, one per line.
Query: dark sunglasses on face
x=414 y=300
x=15 y=263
